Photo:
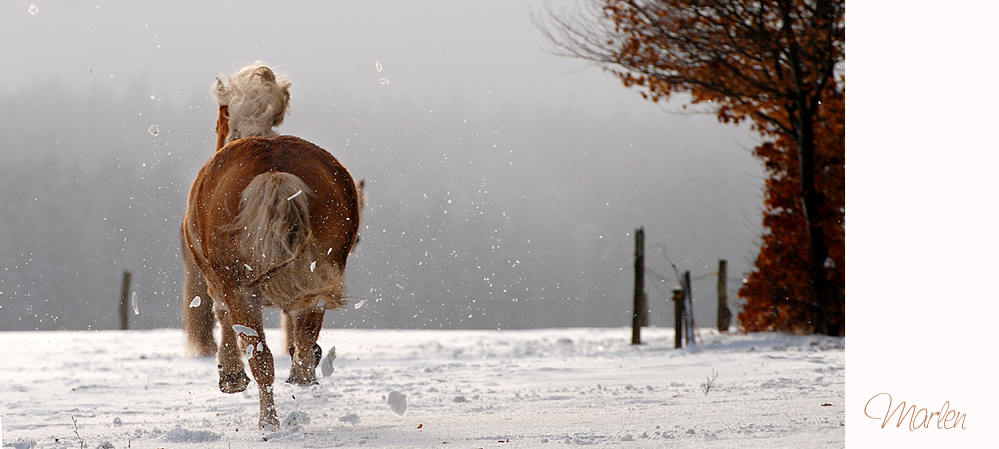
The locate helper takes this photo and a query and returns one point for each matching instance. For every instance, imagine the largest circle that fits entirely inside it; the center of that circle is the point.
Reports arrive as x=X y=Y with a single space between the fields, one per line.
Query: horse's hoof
x=233 y=383
x=270 y=423
x=302 y=381
x=318 y=350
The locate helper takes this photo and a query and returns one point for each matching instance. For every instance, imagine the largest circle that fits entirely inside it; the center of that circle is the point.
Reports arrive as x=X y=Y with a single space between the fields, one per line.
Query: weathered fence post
x=678 y=317
x=724 y=315
x=689 y=313
x=640 y=316
x=126 y=279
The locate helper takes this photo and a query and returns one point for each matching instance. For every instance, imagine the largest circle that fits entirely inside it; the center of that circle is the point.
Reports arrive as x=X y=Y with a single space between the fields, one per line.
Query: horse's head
x=252 y=102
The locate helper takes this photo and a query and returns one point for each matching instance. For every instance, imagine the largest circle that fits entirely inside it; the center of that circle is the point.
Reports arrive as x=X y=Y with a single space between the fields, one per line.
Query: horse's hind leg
x=287 y=324
x=305 y=327
x=243 y=320
x=232 y=376
x=199 y=323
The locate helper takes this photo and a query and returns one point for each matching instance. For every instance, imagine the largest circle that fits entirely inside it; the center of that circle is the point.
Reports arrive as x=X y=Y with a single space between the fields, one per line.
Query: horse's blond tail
x=274 y=234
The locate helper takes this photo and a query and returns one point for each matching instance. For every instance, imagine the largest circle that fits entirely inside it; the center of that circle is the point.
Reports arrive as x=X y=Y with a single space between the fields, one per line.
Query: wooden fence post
x=689 y=306
x=126 y=279
x=724 y=315
x=678 y=317
x=640 y=316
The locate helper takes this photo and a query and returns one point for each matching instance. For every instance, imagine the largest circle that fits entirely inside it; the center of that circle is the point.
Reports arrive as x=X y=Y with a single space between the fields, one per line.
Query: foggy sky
x=505 y=183
x=487 y=52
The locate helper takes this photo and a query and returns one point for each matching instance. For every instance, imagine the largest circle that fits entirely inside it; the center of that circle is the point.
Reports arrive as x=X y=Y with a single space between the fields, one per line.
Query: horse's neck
x=220 y=142
x=222 y=127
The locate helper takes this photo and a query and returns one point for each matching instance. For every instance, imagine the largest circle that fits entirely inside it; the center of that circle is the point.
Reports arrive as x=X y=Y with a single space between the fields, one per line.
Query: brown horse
x=270 y=222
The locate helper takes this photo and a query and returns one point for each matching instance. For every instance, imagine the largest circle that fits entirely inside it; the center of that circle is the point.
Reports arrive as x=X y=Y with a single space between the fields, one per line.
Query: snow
x=295 y=421
x=326 y=364
x=135 y=303
x=397 y=402
x=422 y=388
x=249 y=332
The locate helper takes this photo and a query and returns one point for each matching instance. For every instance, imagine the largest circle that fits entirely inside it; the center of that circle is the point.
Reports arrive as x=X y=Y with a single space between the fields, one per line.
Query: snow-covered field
x=466 y=389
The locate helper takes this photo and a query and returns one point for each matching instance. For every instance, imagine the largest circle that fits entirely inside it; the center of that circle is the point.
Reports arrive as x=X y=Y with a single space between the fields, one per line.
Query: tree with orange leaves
x=776 y=64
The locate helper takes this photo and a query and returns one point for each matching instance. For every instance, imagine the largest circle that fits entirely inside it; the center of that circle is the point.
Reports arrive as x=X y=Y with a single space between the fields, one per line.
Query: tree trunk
x=822 y=290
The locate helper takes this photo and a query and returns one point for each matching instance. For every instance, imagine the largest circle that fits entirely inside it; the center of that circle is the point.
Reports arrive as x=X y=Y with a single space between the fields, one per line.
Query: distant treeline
x=478 y=217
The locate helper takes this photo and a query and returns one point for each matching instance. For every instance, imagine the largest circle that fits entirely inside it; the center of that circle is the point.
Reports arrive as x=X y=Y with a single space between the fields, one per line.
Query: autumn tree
x=776 y=64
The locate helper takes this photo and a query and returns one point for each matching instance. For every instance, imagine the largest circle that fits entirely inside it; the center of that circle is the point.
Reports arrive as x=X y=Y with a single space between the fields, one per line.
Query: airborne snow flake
x=326 y=365
x=397 y=402
x=249 y=332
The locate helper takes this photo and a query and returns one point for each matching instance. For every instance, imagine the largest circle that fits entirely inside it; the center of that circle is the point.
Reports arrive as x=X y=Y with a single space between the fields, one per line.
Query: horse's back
x=238 y=162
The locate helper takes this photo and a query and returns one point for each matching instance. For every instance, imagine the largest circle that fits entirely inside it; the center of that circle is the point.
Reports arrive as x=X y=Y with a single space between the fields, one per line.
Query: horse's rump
x=275 y=214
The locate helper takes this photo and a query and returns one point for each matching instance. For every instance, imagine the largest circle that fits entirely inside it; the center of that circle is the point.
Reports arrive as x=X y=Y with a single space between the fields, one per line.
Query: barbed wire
x=710 y=274
x=733 y=291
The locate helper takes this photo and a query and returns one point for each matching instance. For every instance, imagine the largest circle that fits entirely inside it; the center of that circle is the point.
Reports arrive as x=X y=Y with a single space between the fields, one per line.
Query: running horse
x=270 y=221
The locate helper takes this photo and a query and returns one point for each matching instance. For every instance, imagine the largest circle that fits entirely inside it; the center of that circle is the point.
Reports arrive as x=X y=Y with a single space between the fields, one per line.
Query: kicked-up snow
x=518 y=388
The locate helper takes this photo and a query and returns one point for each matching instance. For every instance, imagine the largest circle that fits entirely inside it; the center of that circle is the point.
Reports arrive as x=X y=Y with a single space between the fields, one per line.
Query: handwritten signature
x=918 y=418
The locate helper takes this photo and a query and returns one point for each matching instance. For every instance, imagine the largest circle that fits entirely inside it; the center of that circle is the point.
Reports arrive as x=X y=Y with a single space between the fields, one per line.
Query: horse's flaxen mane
x=256 y=99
